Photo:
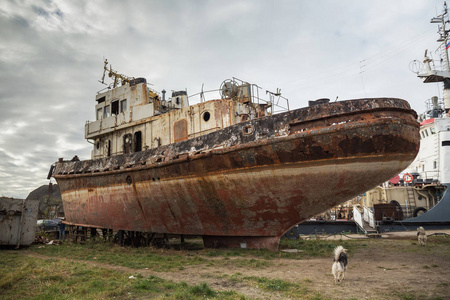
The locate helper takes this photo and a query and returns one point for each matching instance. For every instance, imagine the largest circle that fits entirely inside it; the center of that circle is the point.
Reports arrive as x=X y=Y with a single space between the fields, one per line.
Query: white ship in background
x=420 y=194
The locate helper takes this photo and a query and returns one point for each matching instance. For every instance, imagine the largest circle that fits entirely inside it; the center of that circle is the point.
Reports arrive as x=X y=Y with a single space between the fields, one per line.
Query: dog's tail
x=337 y=252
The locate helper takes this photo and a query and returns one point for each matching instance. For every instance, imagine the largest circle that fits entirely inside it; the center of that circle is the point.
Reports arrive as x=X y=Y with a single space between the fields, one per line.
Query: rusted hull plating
x=249 y=183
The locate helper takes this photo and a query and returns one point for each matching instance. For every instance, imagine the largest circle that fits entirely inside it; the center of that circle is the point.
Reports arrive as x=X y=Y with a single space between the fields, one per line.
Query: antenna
x=416 y=66
x=428 y=71
x=202 y=96
x=104 y=69
x=361 y=71
x=112 y=73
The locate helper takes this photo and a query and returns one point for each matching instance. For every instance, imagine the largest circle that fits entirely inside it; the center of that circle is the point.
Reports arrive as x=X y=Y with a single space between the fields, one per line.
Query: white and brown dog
x=421 y=236
x=340 y=264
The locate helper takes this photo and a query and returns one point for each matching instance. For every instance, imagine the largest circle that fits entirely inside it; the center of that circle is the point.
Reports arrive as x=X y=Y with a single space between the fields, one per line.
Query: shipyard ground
x=394 y=266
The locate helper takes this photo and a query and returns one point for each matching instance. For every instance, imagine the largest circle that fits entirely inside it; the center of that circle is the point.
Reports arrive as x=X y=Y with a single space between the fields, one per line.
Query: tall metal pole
x=444 y=35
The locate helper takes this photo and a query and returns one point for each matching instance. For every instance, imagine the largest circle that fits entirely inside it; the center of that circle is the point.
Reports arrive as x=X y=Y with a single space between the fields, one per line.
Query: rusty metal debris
x=17 y=221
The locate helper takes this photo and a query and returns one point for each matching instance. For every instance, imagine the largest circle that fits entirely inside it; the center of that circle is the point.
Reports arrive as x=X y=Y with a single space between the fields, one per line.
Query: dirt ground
x=377 y=271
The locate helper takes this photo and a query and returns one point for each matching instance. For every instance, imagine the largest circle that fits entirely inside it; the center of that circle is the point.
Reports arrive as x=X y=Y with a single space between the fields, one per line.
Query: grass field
x=98 y=270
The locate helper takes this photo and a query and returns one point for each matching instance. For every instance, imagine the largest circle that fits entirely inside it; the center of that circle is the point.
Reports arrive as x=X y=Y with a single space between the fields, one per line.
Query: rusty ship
x=231 y=170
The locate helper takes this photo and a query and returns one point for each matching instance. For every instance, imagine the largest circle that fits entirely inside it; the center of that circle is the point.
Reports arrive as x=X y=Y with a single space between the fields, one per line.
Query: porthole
x=206 y=116
x=129 y=180
x=247 y=129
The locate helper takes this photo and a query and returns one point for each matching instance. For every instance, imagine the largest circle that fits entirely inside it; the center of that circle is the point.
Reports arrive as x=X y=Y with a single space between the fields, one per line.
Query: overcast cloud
x=51 y=58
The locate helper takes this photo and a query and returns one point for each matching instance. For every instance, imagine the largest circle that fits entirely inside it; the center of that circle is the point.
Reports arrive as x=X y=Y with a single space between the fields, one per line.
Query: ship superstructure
x=420 y=193
x=432 y=164
x=123 y=111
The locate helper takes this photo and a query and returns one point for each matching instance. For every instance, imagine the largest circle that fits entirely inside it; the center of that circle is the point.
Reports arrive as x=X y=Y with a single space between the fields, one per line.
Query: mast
x=431 y=74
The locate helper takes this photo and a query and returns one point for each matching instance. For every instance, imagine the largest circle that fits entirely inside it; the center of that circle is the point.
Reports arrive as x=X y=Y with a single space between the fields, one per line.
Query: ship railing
x=358 y=217
x=427 y=177
x=276 y=102
x=361 y=218
x=369 y=217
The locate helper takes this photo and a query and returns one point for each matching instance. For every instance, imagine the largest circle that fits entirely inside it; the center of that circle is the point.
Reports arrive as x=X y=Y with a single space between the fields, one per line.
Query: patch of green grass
x=272 y=285
x=128 y=257
x=443 y=284
x=317 y=247
x=309 y=248
x=31 y=277
x=171 y=260
x=154 y=259
x=35 y=278
x=278 y=287
x=202 y=290
x=248 y=263
x=414 y=296
x=406 y=296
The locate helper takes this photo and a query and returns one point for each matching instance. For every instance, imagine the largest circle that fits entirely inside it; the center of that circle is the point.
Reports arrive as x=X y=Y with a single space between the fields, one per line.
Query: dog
x=340 y=264
x=421 y=236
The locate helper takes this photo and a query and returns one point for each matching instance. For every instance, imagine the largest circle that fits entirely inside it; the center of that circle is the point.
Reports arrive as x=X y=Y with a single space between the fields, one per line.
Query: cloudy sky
x=51 y=58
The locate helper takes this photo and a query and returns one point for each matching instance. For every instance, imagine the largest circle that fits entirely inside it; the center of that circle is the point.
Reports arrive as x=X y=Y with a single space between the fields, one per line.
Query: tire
x=399 y=210
x=419 y=211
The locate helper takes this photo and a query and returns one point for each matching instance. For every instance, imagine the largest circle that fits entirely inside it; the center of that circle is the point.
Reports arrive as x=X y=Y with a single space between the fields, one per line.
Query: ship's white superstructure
x=432 y=164
x=421 y=193
x=433 y=161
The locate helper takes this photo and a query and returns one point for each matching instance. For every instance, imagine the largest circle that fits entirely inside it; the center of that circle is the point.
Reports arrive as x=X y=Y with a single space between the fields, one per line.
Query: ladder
x=410 y=196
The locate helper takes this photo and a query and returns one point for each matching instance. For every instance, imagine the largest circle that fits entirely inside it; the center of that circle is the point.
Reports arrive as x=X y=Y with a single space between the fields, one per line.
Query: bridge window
x=123 y=105
x=99 y=113
x=106 y=112
x=115 y=107
x=445 y=143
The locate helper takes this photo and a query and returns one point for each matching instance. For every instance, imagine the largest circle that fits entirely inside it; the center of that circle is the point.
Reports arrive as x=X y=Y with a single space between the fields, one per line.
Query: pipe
x=425 y=196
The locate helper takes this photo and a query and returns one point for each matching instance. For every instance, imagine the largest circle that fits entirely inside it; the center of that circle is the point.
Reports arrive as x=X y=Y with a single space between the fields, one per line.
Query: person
x=62 y=230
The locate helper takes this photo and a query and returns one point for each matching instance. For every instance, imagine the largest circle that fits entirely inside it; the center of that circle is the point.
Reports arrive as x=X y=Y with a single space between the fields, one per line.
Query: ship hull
x=249 y=183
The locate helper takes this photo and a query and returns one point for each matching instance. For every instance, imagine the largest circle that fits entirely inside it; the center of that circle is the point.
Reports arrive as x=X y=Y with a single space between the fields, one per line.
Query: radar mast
x=430 y=73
